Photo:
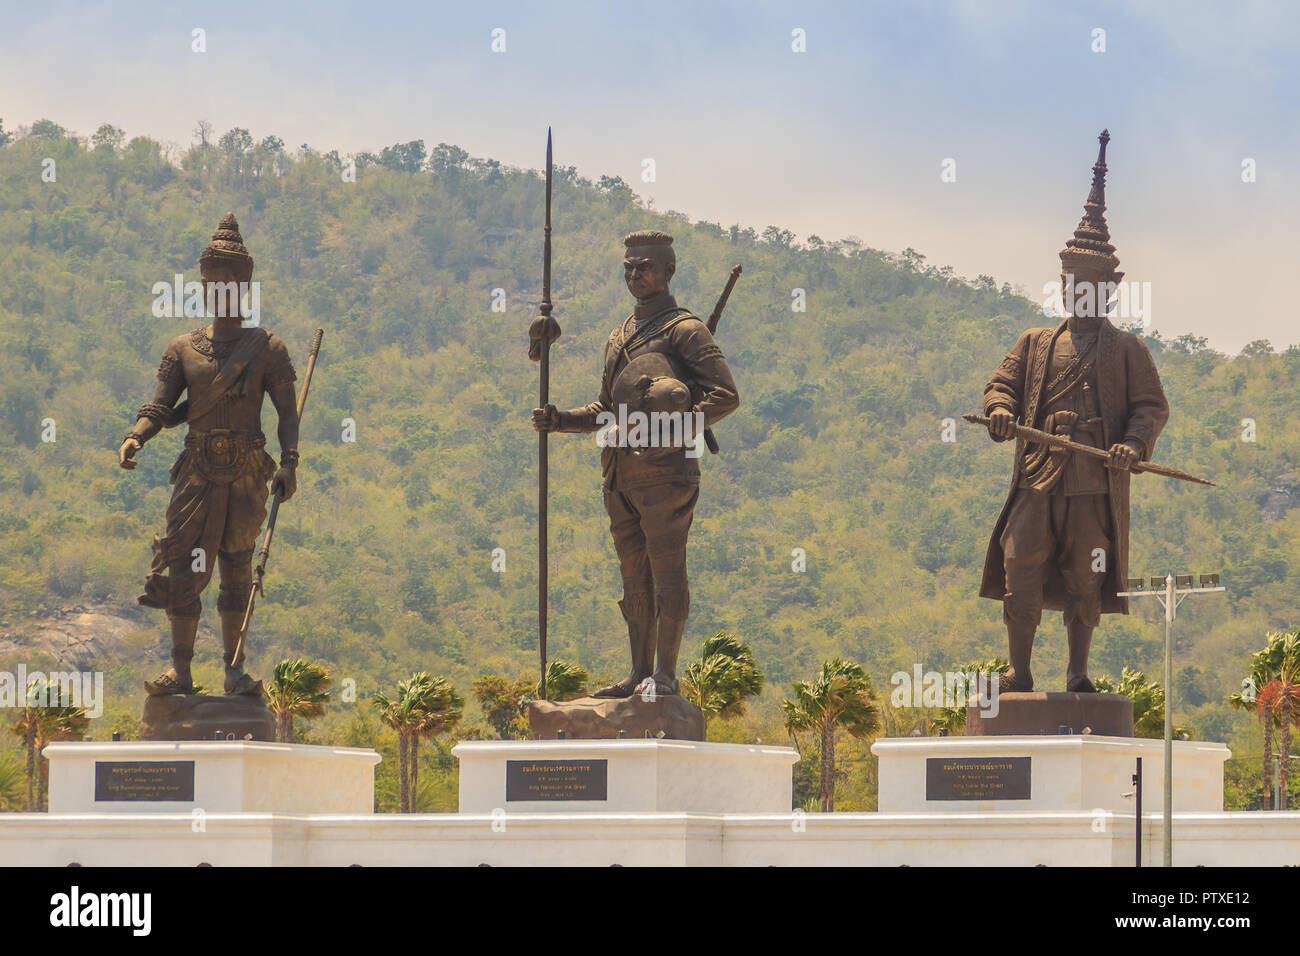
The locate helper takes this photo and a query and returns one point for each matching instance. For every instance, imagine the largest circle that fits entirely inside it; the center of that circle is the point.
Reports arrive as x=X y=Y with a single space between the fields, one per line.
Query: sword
x=1037 y=437
x=259 y=572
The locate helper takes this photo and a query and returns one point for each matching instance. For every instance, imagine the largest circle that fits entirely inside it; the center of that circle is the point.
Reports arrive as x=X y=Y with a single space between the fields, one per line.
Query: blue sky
x=845 y=139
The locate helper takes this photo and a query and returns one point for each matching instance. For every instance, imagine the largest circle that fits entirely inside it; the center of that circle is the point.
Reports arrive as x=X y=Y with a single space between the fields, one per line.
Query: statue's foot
x=1011 y=682
x=665 y=684
x=239 y=683
x=624 y=688
x=1080 y=685
x=169 y=683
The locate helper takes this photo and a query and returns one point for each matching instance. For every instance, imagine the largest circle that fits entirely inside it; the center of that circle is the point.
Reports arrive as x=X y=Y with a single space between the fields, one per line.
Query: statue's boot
x=640 y=635
x=177 y=679
x=237 y=682
x=1079 y=637
x=1020 y=646
x=670 y=643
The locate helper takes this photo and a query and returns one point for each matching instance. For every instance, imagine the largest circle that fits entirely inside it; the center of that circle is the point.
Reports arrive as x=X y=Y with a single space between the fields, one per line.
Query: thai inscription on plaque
x=977 y=778
x=556 y=780
x=151 y=780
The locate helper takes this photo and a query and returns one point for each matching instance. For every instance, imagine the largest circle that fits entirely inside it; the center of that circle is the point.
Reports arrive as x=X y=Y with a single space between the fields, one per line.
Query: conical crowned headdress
x=227 y=246
x=1090 y=251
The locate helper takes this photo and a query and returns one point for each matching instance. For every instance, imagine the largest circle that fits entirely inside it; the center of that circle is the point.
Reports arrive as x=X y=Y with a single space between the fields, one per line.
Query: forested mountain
x=384 y=560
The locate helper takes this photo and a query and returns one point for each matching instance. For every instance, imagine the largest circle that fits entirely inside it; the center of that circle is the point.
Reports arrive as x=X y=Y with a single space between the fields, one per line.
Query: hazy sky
x=845 y=139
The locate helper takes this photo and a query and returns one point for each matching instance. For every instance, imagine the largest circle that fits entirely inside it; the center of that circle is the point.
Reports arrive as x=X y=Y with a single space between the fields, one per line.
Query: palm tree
x=839 y=698
x=424 y=705
x=564 y=681
x=40 y=724
x=1263 y=670
x=437 y=709
x=297 y=689
x=724 y=676
x=1280 y=698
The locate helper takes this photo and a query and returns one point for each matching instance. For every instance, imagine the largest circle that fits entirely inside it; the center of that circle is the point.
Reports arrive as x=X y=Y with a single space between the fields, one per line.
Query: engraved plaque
x=556 y=780
x=156 y=780
x=977 y=778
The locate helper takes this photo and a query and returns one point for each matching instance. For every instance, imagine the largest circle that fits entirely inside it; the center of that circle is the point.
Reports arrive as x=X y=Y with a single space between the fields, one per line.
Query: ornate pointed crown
x=227 y=246
x=1090 y=252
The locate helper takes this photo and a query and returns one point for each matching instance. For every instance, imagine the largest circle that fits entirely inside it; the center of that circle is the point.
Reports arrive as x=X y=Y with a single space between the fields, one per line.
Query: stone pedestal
x=633 y=775
x=669 y=716
x=206 y=717
x=1077 y=773
x=214 y=776
x=1034 y=712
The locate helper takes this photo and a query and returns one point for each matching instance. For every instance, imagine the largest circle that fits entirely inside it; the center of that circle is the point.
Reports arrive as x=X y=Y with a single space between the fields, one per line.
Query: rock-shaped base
x=1035 y=712
x=205 y=717
x=598 y=718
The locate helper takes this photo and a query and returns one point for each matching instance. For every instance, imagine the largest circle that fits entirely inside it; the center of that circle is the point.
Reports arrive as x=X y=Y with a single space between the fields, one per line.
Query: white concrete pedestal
x=1076 y=772
x=646 y=775
x=216 y=776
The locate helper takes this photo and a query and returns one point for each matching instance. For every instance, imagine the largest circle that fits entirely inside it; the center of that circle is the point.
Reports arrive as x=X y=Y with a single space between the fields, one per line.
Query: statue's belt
x=221 y=454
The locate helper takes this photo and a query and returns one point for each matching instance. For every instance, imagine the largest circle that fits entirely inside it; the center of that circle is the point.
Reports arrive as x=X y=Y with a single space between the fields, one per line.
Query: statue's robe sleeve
x=1006 y=389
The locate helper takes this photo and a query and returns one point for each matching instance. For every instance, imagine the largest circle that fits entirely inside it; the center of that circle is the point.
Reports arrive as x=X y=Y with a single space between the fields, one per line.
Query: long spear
x=259 y=572
x=542 y=461
x=1037 y=437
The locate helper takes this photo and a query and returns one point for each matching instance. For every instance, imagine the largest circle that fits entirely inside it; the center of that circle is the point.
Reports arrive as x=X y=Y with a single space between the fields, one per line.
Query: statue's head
x=1088 y=261
x=648 y=262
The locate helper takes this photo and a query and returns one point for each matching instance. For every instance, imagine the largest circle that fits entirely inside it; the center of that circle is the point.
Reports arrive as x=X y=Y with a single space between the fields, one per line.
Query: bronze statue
x=661 y=359
x=1061 y=541
x=220 y=480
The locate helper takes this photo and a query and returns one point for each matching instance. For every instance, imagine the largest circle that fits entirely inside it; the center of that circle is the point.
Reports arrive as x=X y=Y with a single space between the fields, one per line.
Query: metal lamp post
x=1170 y=591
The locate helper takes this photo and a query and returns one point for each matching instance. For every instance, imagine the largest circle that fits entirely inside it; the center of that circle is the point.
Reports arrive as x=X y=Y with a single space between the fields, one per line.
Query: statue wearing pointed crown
x=220 y=480
x=1061 y=541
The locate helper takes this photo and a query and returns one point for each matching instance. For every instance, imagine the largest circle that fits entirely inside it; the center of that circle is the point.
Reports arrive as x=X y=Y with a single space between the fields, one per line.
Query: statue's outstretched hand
x=126 y=454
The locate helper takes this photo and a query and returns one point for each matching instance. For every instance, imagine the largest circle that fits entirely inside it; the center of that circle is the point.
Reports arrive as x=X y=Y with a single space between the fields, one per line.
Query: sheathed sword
x=1038 y=437
x=259 y=572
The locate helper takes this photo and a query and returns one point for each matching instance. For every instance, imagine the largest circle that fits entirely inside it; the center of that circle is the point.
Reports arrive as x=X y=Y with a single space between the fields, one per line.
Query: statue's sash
x=250 y=347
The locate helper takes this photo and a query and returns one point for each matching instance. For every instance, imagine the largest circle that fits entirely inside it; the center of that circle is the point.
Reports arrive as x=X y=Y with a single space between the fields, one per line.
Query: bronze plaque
x=556 y=780
x=977 y=778
x=161 y=780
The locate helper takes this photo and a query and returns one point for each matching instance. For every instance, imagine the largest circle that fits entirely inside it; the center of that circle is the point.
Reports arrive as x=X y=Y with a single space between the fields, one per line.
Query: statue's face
x=646 y=275
x=1086 y=294
x=216 y=279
